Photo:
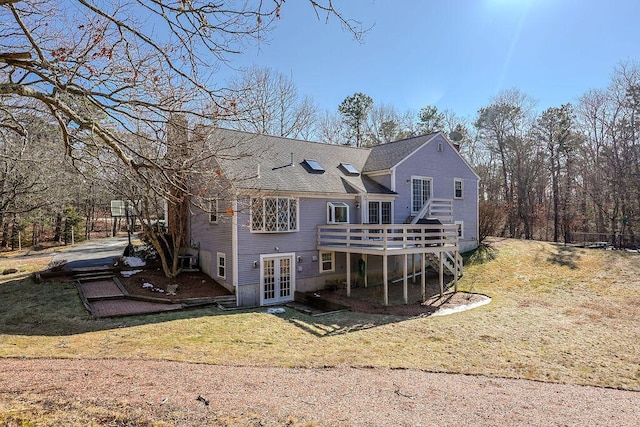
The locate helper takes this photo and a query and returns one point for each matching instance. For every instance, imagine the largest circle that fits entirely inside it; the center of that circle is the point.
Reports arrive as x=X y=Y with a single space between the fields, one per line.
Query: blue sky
x=454 y=54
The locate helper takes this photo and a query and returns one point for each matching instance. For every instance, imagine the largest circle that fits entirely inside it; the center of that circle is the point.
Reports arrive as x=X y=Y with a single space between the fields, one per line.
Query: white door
x=277 y=279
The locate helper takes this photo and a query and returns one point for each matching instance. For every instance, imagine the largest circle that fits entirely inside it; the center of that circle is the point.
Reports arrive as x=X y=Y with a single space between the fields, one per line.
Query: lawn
x=558 y=314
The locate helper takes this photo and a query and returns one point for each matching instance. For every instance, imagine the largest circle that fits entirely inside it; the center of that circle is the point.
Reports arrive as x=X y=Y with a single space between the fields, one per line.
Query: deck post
x=413 y=267
x=405 y=280
x=366 y=269
x=423 y=279
x=441 y=274
x=455 y=270
x=348 y=257
x=384 y=279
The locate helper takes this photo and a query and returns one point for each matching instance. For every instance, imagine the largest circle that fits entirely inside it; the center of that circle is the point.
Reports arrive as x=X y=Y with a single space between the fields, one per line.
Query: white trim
x=441 y=135
x=477 y=237
x=393 y=179
x=415 y=151
x=221 y=256
x=461 y=229
x=291 y=256
x=379 y=172
x=251 y=230
x=461 y=181
x=333 y=261
x=213 y=211
x=234 y=249
x=368 y=220
x=294 y=194
x=331 y=212
x=431 y=190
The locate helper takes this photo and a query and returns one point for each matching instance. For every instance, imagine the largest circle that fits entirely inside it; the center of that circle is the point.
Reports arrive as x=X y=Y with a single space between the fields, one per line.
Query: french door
x=277 y=278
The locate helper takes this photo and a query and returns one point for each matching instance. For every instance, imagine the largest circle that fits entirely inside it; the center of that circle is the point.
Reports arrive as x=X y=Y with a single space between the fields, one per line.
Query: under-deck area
x=431 y=243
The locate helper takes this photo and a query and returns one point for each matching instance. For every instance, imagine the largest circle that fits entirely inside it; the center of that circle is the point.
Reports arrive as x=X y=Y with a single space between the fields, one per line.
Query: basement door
x=277 y=278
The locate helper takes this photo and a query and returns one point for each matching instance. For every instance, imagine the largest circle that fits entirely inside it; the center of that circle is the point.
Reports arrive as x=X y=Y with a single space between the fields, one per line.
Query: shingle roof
x=263 y=162
x=386 y=156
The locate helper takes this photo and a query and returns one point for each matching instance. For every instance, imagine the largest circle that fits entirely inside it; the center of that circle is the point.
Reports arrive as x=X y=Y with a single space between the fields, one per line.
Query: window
x=349 y=169
x=379 y=213
x=337 y=213
x=327 y=262
x=457 y=188
x=460 y=225
x=222 y=265
x=420 y=192
x=213 y=211
x=314 y=165
x=274 y=214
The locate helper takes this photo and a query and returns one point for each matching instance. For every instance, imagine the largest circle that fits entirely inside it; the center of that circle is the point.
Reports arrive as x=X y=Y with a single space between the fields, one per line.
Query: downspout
x=234 y=248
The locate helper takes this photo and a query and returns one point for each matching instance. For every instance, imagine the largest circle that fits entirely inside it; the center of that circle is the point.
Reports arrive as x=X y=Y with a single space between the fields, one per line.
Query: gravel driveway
x=188 y=394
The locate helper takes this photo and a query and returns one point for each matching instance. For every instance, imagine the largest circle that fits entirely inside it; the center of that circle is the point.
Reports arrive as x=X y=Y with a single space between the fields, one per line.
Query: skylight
x=349 y=168
x=314 y=165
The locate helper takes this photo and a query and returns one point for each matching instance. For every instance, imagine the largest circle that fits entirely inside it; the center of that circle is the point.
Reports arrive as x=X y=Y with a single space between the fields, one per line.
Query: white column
x=405 y=281
x=413 y=267
x=441 y=275
x=423 y=279
x=455 y=272
x=384 y=279
x=366 y=270
x=348 y=261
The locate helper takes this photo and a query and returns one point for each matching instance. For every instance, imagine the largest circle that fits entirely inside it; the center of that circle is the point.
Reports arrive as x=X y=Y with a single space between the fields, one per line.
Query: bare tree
x=110 y=81
x=553 y=129
x=103 y=75
x=504 y=128
x=268 y=102
x=331 y=129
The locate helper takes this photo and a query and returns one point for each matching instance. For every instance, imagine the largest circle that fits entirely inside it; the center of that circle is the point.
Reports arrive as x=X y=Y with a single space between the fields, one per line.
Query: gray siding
x=212 y=238
x=382 y=180
x=428 y=161
x=443 y=167
x=311 y=212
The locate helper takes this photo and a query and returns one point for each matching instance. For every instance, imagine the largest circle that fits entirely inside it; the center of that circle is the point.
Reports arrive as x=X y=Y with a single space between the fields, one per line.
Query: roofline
x=309 y=195
x=455 y=150
x=415 y=151
x=291 y=139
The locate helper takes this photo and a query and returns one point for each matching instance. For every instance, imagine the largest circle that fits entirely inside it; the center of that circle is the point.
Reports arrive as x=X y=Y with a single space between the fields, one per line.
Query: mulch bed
x=363 y=300
x=190 y=284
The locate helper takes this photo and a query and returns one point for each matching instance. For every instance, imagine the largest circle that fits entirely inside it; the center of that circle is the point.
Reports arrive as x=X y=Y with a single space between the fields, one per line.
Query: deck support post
x=455 y=271
x=348 y=262
x=441 y=274
x=405 y=280
x=423 y=279
x=366 y=269
x=384 y=279
x=413 y=267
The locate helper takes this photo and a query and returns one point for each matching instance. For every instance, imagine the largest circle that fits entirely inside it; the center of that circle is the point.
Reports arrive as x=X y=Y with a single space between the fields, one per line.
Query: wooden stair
x=440 y=209
x=452 y=266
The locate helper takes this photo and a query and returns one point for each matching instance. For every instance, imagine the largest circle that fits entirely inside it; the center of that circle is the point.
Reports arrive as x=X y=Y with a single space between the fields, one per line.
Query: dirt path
x=187 y=394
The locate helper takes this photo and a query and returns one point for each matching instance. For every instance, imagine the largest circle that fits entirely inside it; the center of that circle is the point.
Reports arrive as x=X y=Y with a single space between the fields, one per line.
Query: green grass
x=558 y=314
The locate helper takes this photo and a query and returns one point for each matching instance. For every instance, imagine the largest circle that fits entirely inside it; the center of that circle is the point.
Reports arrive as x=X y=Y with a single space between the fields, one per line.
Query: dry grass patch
x=558 y=314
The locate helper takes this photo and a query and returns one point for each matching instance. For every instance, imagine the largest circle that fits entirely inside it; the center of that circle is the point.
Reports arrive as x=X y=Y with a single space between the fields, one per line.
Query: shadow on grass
x=55 y=309
x=341 y=323
x=565 y=256
x=482 y=254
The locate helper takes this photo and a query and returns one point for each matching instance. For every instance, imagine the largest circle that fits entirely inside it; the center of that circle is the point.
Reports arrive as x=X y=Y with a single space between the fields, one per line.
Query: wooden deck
x=428 y=240
x=390 y=239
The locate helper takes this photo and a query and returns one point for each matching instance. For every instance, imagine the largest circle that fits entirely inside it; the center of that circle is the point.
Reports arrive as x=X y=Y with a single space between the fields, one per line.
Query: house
x=296 y=215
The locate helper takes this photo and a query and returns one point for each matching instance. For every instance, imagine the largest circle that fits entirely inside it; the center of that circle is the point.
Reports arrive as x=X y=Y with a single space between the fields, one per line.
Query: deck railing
x=387 y=237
